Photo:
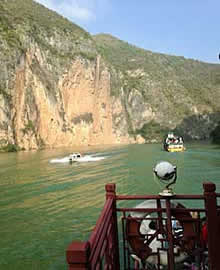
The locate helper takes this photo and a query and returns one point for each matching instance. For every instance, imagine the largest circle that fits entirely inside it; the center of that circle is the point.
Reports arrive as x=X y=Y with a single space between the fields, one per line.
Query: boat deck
x=118 y=242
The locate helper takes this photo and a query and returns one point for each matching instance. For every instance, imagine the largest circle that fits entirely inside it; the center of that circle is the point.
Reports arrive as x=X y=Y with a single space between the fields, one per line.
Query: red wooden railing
x=102 y=250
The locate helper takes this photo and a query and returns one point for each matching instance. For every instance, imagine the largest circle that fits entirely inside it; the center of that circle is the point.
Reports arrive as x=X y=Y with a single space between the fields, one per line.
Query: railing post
x=77 y=256
x=212 y=225
x=170 y=254
x=110 y=191
x=111 y=194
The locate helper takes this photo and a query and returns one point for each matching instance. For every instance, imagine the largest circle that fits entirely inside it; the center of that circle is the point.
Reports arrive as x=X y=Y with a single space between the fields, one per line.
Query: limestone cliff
x=77 y=109
x=55 y=88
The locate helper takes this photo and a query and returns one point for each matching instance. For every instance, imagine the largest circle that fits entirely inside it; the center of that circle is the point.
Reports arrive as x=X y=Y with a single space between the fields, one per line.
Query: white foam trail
x=87 y=158
x=60 y=160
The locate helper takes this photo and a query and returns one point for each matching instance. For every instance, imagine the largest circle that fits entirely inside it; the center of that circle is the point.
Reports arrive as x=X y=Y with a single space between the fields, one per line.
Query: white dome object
x=164 y=170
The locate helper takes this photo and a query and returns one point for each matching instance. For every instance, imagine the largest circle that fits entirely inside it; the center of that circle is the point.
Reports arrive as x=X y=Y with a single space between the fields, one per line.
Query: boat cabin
x=173 y=143
x=74 y=157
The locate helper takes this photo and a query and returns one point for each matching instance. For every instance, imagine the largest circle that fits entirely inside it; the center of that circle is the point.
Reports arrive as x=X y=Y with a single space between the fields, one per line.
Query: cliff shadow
x=199 y=126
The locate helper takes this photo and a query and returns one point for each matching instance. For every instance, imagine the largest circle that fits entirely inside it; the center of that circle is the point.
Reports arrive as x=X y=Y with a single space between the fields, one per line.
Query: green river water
x=44 y=205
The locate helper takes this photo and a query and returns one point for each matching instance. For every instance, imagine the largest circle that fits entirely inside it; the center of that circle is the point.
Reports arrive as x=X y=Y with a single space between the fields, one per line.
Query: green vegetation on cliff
x=174 y=87
x=34 y=17
x=23 y=22
x=172 y=73
x=25 y=25
x=152 y=131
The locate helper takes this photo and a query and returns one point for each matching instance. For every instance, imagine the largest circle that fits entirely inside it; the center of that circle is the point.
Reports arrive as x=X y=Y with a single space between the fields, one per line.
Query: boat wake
x=86 y=158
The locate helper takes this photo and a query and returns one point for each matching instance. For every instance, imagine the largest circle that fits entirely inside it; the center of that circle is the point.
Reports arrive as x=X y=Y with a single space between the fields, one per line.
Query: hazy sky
x=188 y=28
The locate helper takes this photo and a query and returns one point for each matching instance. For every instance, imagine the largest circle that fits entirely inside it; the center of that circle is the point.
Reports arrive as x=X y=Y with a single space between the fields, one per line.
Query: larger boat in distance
x=173 y=143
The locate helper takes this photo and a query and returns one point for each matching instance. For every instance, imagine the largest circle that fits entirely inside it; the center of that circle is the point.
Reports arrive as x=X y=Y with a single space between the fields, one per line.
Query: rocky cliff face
x=75 y=109
x=54 y=87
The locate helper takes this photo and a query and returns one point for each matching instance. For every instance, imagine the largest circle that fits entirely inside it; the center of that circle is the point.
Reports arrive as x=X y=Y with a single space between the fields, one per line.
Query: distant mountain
x=59 y=86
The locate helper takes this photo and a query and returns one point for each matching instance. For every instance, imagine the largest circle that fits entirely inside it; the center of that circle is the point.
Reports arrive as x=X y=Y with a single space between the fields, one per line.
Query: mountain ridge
x=61 y=86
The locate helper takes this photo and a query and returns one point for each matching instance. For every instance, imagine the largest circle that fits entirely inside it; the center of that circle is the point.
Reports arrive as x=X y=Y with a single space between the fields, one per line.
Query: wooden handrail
x=103 y=241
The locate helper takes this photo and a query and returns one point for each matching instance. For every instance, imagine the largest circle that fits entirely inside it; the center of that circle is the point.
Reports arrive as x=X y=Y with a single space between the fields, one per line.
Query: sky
x=188 y=28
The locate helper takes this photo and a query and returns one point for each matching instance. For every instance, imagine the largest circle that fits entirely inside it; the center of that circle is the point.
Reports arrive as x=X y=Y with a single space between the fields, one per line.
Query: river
x=44 y=205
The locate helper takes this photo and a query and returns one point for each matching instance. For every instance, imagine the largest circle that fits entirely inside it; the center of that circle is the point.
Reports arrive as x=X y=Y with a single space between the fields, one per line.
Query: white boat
x=74 y=157
x=173 y=143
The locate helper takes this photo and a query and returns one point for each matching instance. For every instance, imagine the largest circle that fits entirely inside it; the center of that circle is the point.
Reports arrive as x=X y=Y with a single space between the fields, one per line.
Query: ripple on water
x=44 y=206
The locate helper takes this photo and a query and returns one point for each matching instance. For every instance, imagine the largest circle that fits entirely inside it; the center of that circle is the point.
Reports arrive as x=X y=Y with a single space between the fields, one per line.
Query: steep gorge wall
x=74 y=109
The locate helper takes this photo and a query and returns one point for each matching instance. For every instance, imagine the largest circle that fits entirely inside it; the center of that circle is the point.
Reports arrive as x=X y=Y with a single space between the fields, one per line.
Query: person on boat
x=196 y=261
x=180 y=140
x=167 y=140
x=176 y=140
x=204 y=235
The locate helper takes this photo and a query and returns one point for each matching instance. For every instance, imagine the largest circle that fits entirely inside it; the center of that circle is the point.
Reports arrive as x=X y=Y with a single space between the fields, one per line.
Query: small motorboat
x=173 y=143
x=74 y=157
